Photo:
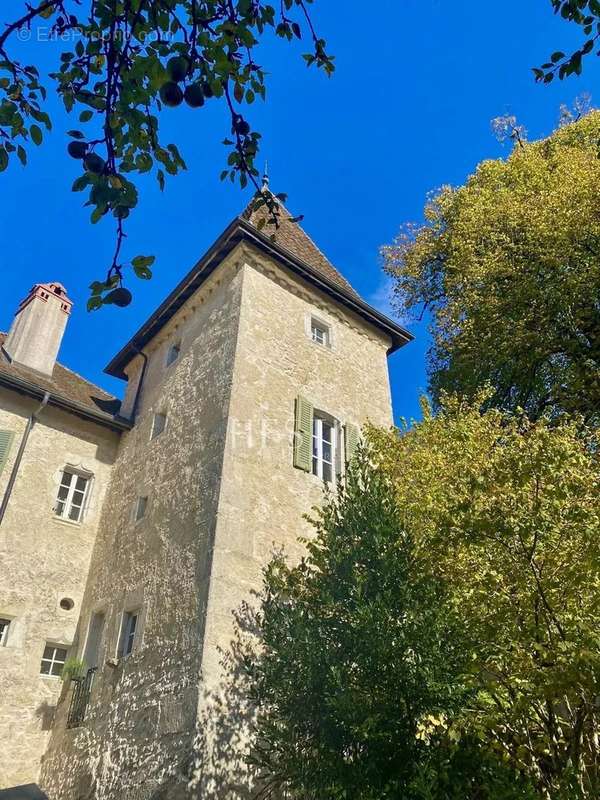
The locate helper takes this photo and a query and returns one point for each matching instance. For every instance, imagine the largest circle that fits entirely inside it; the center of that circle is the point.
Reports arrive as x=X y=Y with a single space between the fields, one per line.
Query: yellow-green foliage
x=507 y=512
x=509 y=268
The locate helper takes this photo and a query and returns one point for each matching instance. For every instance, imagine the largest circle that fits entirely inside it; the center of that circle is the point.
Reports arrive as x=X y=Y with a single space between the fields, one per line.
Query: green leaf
x=143 y=272
x=36 y=134
x=3 y=159
x=94 y=303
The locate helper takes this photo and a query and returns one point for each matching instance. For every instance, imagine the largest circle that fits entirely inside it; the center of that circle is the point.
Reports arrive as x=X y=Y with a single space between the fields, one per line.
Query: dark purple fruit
x=242 y=127
x=194 y=96
x=121 y=212
x=119 y=297
x=93 y=163
x=177 y=67
x=77 y=149
x=171 y=94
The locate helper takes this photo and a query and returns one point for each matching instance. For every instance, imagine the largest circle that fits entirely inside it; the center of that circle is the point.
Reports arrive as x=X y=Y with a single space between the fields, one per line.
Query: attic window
x=320 y=333
x=173 y=353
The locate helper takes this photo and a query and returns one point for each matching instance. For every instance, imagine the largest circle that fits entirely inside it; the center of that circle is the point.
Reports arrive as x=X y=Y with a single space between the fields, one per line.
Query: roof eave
x=237 y=230
x=33 y=390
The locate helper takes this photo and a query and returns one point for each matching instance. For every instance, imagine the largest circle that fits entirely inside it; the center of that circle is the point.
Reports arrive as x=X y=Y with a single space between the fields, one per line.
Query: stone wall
x=263 y=497
x=138 y=734
x=42 y=560
x=222 y=494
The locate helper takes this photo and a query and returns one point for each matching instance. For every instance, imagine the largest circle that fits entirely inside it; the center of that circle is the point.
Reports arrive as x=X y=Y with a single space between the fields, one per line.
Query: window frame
x=53 y=660
x=127 y=636
x=153 y=433
x=67 y=501
x=322 y=327
x=4 y=630
x=174 y=347
x=99 y=633
x=318 y=461
x=141 y=504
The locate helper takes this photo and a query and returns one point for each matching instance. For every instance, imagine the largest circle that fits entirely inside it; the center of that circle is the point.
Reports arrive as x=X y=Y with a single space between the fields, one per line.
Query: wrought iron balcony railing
x=80 y=697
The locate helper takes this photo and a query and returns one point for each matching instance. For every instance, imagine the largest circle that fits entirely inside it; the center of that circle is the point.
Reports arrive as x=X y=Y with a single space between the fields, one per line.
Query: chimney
x=37 y=329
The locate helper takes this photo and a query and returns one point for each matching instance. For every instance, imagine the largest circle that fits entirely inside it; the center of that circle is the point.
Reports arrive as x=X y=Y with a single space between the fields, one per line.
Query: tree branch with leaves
x=131 y=60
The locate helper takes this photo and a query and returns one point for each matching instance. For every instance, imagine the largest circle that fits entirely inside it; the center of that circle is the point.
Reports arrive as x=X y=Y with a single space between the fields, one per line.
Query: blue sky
x=407 y=110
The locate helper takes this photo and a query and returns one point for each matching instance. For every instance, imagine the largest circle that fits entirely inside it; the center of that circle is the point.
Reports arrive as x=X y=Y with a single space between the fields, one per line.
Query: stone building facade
x=246 y=389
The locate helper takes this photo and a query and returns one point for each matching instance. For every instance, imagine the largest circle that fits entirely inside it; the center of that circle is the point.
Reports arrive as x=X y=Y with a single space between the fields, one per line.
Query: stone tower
x=246 y=391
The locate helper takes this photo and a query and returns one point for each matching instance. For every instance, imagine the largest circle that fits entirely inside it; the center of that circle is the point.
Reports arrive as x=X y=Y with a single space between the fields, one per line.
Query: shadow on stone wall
x=226 y=724
x=45 y=713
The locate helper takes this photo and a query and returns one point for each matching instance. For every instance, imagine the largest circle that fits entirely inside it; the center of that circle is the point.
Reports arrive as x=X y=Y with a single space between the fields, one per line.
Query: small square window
x=128 y=631
x=320 y=333
x=140 y=508
x=4 y=628
x=173 y=353
x=53 y=660
x=159 y=423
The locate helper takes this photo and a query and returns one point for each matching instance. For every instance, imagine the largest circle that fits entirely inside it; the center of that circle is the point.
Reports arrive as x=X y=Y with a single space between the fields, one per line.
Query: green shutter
x=303 y=429
x=351 y=437
x=6 y=438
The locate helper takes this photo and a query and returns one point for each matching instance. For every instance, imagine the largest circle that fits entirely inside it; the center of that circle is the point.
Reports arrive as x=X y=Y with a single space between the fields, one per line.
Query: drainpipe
x=138 y=390
x=13 y=475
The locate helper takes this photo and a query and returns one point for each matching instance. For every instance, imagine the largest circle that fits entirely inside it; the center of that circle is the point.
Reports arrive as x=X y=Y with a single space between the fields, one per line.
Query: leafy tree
x=130 y=59
x=508 y=266
x=507 y=514
x=360 y=663
x=585 y=13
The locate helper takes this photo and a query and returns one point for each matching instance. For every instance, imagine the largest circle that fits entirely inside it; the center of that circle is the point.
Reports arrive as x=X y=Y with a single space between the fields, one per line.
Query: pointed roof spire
x=265 y=179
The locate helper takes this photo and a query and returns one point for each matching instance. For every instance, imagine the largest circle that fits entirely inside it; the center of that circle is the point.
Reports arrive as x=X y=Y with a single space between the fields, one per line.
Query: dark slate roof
x=291 y=236
x=67 y=390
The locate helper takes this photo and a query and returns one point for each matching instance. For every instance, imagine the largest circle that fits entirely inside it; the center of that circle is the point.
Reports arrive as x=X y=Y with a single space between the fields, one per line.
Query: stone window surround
x=126 y=632
x=156 y=415
x=5 y=626
x=173 y=353
x=140 y=507
x=54 y=645
x=311 y=319
x=81 y=470
x=133 y=601
x=103 y=647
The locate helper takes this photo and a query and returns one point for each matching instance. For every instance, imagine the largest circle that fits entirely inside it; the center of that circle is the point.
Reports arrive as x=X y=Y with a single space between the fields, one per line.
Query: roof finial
x=265 y=180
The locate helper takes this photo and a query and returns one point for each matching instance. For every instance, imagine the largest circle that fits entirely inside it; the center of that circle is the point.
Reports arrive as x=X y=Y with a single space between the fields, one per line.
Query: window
x=53 y=660
x=173 y=353
x=320 y=332
x=158 y=425
x=323 y=458
x=130 y=622
x=94 y=639
x=140 y=508
x=4 y=626
x=72 y=494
